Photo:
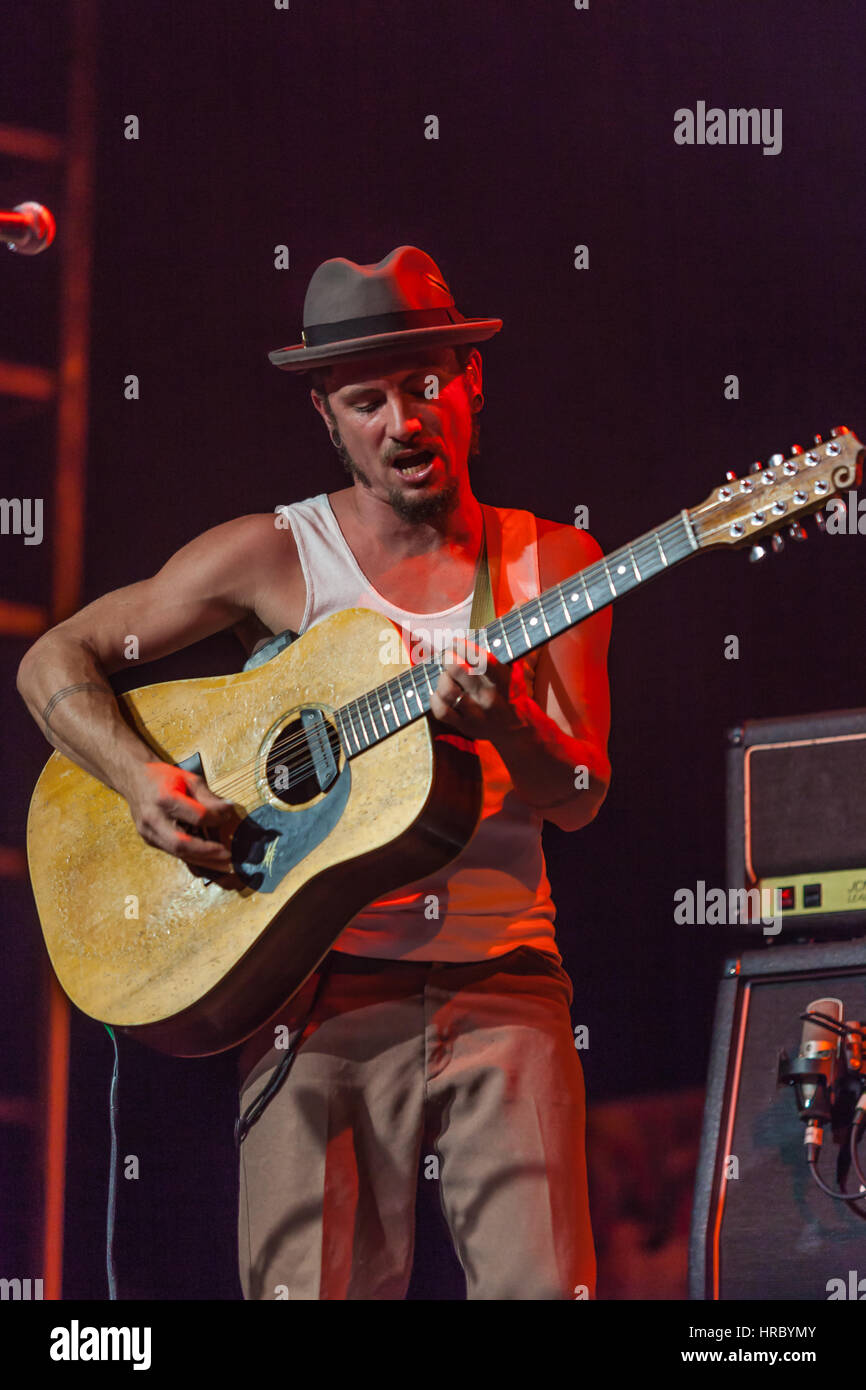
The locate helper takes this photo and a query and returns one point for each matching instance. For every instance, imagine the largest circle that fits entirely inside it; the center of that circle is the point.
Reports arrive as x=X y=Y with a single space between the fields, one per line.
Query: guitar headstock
x=742 y=510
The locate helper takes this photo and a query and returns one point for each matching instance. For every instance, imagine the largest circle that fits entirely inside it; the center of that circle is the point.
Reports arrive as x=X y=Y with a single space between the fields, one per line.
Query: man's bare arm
x=205 y=587
x=571 y=691
x=545 y=738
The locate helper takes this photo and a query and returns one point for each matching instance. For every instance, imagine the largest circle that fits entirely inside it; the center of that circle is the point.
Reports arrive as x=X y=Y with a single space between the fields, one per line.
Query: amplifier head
x=797 y=819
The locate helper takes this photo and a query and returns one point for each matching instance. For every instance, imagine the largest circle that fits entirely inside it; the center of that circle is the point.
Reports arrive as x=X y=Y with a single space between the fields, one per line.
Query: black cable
x=255 y=1110
x=855 y=1130
x=841 y=1029
x=839 y=1196
x=243 y=1124
x=112 y=1173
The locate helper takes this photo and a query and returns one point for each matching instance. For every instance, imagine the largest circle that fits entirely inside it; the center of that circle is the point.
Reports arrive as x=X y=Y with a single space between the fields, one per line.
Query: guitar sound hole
x=304 y=759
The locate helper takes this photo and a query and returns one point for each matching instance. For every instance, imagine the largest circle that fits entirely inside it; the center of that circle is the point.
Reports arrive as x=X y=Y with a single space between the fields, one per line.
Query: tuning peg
x=840 y=429
x=758 y=552
x=818 y=439
x=796 y=531
x=796 y=449
x=730 y=477
x=820 y=520
x=774 y=460
x=777 y=542
x=756 y=467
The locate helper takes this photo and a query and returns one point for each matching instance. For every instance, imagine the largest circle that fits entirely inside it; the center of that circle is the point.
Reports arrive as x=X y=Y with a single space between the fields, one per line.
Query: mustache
x=418 y=449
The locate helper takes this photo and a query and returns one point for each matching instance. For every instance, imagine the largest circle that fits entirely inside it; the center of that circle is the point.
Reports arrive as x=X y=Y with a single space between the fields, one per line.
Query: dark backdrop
x=605 y=388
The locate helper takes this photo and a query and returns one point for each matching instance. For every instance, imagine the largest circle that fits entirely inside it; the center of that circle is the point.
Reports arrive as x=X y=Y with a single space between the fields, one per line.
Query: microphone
x=815 y=1069
x=28 y=229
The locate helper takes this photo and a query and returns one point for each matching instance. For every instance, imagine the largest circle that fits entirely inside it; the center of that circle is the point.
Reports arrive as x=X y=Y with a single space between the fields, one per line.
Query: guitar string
x=241 y=781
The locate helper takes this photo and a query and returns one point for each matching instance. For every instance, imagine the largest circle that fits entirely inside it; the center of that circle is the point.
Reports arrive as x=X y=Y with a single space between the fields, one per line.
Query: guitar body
x=192 y=966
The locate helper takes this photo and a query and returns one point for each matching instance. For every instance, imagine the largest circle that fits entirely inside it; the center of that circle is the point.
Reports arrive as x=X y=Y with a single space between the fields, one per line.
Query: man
x=442 y=1015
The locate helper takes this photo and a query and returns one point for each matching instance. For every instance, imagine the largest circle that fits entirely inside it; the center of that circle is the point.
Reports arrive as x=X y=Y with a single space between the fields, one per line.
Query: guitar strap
x=510 y=576
x=483 y=611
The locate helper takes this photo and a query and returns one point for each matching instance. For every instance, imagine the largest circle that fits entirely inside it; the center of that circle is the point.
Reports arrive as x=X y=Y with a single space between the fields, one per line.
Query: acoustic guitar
x=344 y=786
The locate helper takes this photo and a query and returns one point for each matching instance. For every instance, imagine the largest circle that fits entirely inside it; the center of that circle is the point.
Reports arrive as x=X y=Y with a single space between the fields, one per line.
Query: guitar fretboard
x=405 y=698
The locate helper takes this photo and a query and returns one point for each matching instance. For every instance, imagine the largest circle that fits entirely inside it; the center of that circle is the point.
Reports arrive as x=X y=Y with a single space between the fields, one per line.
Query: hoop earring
x=336 y=440
x=479 y=398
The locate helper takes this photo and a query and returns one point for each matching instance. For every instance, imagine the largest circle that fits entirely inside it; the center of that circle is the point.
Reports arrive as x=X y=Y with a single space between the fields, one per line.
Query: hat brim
x=299 y=358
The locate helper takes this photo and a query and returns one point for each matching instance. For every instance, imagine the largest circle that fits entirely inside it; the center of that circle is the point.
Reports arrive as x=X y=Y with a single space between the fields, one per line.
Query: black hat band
x=318 y=334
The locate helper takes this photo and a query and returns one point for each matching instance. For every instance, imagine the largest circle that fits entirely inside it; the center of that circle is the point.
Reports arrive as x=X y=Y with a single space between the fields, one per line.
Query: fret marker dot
x=386 y=706
x=620 y=569
x=410 y=693
x=574 y=598
x=532 y=620
x=497 y=641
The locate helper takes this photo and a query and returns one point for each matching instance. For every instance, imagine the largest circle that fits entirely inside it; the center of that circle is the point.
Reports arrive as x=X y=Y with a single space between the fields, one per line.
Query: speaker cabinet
x=761 y=1227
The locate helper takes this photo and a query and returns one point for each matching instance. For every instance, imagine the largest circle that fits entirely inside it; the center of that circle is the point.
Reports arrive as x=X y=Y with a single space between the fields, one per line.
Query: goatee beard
x=407 y=505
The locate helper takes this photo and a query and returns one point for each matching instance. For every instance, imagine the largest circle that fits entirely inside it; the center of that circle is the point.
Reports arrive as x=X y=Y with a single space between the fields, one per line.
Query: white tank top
x=495 y=895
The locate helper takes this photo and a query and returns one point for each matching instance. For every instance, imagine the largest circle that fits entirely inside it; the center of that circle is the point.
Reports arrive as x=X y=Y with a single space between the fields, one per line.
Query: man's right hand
x=162 y=795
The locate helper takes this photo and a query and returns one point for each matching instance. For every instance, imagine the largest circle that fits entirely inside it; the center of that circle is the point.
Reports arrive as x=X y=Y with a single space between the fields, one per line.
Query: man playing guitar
x=441 y=1017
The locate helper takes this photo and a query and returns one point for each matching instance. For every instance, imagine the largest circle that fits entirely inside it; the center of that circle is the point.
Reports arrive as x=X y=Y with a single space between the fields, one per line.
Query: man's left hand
x=479 y=696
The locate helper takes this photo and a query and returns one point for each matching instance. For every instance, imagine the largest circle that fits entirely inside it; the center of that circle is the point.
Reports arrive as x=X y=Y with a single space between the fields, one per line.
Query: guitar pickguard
x=269 y=842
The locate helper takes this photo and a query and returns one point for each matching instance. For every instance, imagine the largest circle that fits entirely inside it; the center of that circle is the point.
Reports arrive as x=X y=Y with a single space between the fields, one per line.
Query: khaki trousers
x=479 y=1057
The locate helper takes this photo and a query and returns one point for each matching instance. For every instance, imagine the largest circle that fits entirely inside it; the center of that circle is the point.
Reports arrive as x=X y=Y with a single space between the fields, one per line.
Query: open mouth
x=414 y=465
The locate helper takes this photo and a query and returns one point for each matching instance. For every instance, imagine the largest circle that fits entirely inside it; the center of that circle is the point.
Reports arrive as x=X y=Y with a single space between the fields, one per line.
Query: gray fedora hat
x=402 y=301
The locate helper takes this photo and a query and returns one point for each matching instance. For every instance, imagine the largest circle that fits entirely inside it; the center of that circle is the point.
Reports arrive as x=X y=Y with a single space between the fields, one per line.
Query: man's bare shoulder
x=248 y=546
x=564 y=549
x=261 y=551
x=252 y=531
x=257 y=557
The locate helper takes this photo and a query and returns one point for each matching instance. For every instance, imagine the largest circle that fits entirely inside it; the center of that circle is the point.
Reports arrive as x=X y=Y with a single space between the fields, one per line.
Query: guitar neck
x=405 y=698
